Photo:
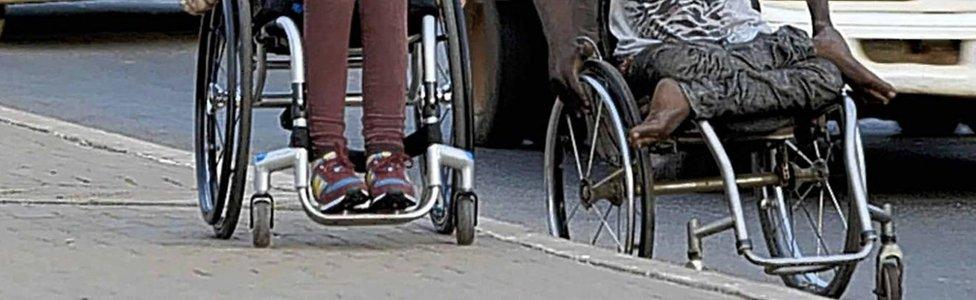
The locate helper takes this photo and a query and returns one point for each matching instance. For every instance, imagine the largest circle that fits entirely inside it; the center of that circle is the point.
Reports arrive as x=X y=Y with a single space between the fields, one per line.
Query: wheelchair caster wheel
x=889 y=279
x=261 y=221
x=466 y=207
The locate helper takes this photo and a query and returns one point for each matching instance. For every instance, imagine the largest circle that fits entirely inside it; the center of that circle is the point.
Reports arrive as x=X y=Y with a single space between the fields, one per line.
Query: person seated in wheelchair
x=706 y=59
x=335 y=184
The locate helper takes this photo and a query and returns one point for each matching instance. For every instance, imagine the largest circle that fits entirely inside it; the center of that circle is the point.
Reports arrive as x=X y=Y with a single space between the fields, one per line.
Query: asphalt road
x=131 y=71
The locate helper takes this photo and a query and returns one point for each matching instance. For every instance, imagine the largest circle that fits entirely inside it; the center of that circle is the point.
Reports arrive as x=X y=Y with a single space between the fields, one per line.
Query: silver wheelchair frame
x=296 y=158
x=863 y=214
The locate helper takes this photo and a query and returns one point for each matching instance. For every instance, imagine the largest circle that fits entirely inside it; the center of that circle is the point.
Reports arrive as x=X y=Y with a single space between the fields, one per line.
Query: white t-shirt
x=639 y=23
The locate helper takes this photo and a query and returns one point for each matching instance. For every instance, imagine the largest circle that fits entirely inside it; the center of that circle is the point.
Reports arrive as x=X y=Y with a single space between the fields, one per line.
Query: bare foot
x=669 y=108
x=830 y=45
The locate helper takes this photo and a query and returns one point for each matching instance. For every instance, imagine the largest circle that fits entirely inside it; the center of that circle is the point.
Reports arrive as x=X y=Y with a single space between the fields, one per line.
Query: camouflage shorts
x=774 y=74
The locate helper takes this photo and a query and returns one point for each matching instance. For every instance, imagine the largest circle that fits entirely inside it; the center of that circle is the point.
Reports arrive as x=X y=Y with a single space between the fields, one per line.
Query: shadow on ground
x=921 y=165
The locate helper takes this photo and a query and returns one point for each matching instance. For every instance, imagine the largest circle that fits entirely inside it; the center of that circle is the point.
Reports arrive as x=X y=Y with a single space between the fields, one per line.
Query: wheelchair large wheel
x=813 y=218
x=454 y=94
x=593 y=177
x=223 y=113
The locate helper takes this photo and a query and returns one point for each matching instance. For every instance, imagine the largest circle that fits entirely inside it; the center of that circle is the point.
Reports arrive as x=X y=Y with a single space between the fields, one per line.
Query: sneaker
x=335 y=184
x=388 y=181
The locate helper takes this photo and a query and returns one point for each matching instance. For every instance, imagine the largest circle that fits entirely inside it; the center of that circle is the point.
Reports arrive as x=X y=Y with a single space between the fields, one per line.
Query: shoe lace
x=393 y=162
x=336 y=165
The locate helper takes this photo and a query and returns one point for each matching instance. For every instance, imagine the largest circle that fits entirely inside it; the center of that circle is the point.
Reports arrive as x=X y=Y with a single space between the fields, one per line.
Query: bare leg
x=669 y=107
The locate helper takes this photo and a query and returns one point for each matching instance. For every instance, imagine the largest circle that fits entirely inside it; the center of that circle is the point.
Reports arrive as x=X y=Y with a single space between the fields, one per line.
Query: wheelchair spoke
x=820 y=213
x=596 y=133
x=572 y=138
x=819 y=237
x=604 y=223
x=788 y=222
x=220 y=139
x=833 y=198
x=802 y=197
x=573 y=212
x=816 y=149
x=798 y=152
x=618 y=221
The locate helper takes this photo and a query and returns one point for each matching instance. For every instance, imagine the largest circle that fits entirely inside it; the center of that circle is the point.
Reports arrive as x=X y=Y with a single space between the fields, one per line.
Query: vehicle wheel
x=889 y=285
x=222 y=114
x=467 y=218
x=927 y=126
x=812 y=218
x=591 y=173
x=454 y=79
x=511 y=73
x=3 y=18
x=261 y=214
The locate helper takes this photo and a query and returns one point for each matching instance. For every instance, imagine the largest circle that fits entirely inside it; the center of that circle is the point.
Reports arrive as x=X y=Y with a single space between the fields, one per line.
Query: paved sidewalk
x=89 y=214
x=129 y=252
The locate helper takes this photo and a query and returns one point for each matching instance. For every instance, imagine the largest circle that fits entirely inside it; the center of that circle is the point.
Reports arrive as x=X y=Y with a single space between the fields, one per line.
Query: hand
x=868 y=87
x=564 y=68
x=197 y=7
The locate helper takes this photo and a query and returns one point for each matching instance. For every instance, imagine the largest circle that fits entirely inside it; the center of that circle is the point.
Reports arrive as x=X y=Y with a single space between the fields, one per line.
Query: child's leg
x=384 y=100
x=335 y=184
x=384 y=73
x=327 y=25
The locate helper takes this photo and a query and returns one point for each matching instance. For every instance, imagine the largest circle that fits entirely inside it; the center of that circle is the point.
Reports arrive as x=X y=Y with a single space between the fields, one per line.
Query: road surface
x=133 y=74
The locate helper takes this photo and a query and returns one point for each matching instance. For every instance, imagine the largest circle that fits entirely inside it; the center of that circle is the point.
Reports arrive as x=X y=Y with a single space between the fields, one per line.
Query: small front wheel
x=261 y=223
x=467 y=216
x=888 y=286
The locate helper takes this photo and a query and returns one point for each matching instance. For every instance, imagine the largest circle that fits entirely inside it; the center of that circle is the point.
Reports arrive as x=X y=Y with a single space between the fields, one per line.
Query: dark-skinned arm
x=562 y=22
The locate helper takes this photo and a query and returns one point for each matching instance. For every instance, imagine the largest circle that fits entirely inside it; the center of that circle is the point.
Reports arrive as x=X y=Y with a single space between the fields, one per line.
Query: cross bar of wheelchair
x=862 y=212
x=286 y=99
x=438 y=157
x=713 y=184
x=355 y=61
x=606 y=188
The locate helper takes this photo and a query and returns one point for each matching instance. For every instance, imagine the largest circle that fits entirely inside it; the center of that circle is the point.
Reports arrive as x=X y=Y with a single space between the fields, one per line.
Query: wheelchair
x=243 y=41
x=601 y=190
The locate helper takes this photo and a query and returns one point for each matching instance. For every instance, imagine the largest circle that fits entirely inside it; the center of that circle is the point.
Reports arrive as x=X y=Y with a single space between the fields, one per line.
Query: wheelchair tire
x=510 y=62
x=889 y=280
x=466 y=206
x=3 y=18
x=460 y=125
x=261 y=214
x=560 y=140
x=222 y=150
x=815 y=218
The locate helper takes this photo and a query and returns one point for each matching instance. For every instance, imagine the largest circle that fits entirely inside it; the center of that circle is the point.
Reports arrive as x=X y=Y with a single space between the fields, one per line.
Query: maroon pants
x=384 y=35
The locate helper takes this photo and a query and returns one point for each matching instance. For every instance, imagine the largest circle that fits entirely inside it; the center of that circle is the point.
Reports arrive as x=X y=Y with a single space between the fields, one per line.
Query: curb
x=506 y=232
x=654 y=269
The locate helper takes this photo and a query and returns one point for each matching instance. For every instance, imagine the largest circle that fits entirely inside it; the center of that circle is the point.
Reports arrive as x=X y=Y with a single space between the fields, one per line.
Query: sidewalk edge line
x=98 y=139
x=659 y=270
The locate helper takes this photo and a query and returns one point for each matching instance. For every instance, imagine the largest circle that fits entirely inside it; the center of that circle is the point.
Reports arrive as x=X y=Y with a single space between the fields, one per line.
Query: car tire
x=3 y=18
x=510 y=73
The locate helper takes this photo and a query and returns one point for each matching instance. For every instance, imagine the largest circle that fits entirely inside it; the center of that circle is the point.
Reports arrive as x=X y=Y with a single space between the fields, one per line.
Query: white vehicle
x=925 y=48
